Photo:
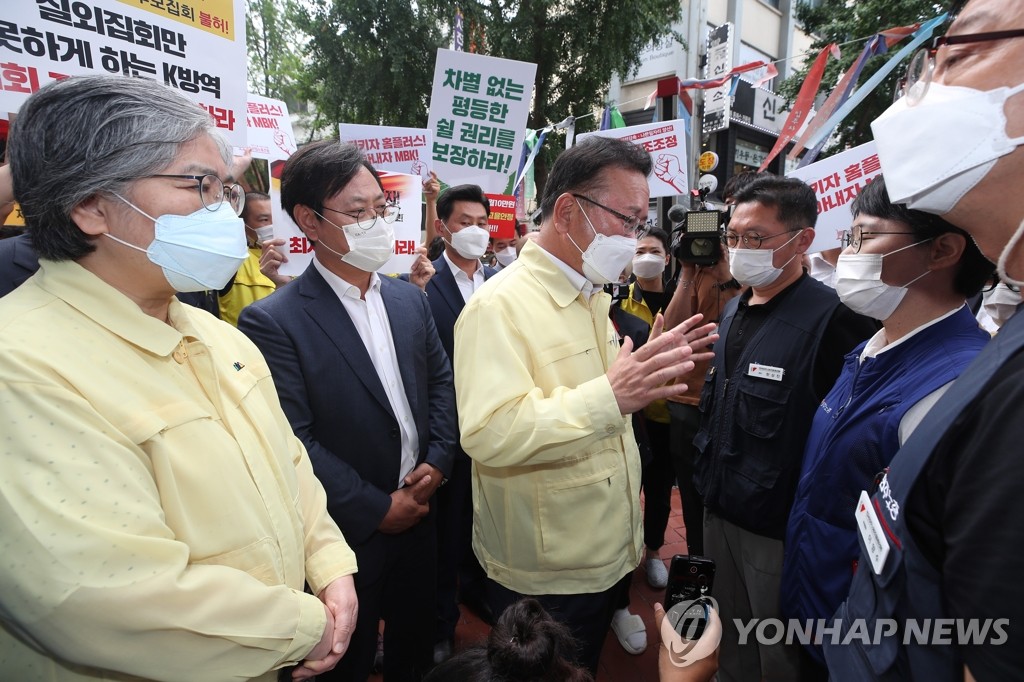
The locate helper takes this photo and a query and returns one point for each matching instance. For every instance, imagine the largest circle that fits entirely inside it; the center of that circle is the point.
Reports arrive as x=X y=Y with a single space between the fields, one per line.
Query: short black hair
x=577 y=168
x=319 y=171
x=737 y=182
x=974 y=268
x=525 y=644
x=251 y=197
x=473 y=193
x=658 y=234
x=794 y=202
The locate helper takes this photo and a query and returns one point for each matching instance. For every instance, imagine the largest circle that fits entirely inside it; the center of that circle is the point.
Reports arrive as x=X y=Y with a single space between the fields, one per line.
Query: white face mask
x=506 y=256
x=1001 y=303
x=754 y=267
x=196 y=252
x=860 y=286
x=470 y=242
x=370 y=243
x=606 y=257
x=648 y=265
x=934 y=153
x=264 y=234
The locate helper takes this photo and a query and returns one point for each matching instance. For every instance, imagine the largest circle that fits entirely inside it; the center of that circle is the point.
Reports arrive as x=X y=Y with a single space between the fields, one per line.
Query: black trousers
x=658 y=478
x=458 y=571
x=685 y=422
x=588 y=616
x=396 y=582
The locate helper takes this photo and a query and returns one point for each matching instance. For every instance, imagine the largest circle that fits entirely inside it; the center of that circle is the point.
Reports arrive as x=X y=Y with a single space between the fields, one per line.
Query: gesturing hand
x=641 y=377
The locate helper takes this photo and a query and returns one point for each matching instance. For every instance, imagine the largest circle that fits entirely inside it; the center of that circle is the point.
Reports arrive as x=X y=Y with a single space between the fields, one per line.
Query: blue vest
x=909 y=586
x=854 y=436
x=753 y=429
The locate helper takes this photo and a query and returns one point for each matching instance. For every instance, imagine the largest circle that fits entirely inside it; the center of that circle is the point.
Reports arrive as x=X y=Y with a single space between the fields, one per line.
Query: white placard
x=836 y=182
x=196 y=47
x=478 y=111
x=400 y=150
x=271 y=137
x=666 y=143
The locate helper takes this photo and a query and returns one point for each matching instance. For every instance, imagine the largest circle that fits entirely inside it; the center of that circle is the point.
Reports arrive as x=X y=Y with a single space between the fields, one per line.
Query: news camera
x=619 y=291
x=697 y=234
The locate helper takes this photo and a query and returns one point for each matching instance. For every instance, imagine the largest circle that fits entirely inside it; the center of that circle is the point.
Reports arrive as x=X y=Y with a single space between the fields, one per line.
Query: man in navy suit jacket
x=462 y=219
x=367 y=387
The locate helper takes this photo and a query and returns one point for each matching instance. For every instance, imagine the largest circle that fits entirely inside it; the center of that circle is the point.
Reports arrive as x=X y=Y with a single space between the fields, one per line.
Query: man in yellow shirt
x=556 y=472
x=251 y=283
x=159 y=519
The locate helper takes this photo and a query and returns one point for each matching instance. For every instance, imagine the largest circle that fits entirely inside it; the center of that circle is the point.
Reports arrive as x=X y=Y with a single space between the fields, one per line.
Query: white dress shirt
x=370 y=318
x=585 y=286
x=466 y=284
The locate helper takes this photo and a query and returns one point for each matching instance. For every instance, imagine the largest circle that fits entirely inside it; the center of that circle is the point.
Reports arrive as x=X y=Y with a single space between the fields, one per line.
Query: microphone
x=677 y=213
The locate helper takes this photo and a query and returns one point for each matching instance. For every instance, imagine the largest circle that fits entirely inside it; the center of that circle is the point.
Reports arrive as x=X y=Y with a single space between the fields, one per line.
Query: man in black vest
x=942 y=531
x=782 y=346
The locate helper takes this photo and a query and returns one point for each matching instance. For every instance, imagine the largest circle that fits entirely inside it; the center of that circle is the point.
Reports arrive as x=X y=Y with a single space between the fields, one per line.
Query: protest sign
x=400 y=150
x=405 y=191
x=197 y=47
x=502 y=220
x=836 y=182
x=270 y=136
x=478 y=111
x=666 y=143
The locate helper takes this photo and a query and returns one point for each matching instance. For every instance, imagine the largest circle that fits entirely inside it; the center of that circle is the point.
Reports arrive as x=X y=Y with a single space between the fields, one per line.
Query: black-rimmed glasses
x=751 y=241
x=632 y=225
x=855 y=237
x=994 y=282
x=922 y=65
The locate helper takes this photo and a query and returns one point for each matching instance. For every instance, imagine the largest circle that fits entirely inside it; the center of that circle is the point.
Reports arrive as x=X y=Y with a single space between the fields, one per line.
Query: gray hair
x=87 y=135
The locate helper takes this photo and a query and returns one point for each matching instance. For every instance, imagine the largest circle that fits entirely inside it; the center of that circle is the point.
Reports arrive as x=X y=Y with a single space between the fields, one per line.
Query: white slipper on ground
x=630 y=630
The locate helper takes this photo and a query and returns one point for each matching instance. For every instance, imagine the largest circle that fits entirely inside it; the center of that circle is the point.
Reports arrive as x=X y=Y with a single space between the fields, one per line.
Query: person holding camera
x=702 y=288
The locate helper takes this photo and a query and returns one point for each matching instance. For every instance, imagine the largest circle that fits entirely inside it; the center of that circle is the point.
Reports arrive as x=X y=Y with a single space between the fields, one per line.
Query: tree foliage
x=373 y=60
x=274 y=42
x=841 y=21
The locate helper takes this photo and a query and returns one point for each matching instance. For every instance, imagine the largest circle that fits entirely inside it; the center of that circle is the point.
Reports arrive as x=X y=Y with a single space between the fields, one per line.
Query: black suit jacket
x=18 y=262
x=335 y=400
x=446 y=301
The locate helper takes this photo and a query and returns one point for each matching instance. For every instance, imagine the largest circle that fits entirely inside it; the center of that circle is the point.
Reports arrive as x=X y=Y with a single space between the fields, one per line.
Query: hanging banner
x=717 y=100
x=836 y=182
x=400 y=150
x=502 y=220
x=478 y=111
x=922 y=35
x=196 y=47
x=875 y=46
x=802 y=106
x=666 y=143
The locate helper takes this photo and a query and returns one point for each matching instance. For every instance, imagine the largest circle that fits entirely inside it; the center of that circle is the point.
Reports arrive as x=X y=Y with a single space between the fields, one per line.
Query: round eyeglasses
x=750 y=241
x=388 y=213
x=914 y=85
x=212 y=191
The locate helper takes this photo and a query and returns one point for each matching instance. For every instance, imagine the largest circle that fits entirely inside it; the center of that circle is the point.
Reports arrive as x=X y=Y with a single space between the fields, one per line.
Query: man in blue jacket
x=913 y=271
